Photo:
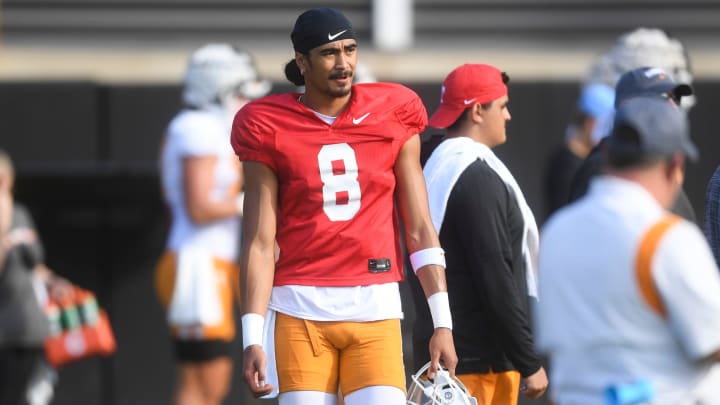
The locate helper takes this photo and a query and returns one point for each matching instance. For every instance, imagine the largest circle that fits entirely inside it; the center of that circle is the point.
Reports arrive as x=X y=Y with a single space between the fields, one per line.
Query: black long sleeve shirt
x=482 y=237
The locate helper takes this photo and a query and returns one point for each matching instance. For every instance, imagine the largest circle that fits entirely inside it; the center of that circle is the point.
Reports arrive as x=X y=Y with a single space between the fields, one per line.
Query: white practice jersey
x=196 y=133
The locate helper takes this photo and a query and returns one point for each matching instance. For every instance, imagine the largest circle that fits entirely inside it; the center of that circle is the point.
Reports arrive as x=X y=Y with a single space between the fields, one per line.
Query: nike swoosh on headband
x=332 y=37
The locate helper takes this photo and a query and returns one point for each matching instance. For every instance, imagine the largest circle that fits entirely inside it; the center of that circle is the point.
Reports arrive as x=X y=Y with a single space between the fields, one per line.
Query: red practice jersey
x=336 y=220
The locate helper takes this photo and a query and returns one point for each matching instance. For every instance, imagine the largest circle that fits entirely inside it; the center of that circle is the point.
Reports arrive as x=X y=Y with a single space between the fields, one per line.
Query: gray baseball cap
x=662 y=128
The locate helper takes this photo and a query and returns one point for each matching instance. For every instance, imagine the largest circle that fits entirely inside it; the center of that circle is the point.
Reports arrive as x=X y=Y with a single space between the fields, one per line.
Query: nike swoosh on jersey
x=332 y=37
x=359 y=120
x=468 y=101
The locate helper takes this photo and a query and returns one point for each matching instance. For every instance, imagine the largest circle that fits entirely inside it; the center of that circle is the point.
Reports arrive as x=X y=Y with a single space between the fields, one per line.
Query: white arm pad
x=439 y=304
x=252 y=329
x=423 y=257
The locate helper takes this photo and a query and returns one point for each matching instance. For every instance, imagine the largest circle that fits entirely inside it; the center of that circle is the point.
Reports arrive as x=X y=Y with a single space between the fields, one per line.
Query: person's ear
x=676 y=168
x=301 y=62
x=478 y=113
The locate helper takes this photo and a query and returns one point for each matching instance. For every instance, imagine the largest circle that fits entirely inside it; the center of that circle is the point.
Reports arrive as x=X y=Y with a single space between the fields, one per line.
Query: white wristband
x=252 y=329
x=423 y=257
x=440 y=310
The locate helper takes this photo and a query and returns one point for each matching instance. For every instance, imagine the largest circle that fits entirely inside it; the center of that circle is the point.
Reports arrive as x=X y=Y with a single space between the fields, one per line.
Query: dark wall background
x=85 y=156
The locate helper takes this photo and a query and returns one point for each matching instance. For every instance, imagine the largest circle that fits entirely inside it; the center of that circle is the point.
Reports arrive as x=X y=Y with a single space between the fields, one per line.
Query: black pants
x=17 y=366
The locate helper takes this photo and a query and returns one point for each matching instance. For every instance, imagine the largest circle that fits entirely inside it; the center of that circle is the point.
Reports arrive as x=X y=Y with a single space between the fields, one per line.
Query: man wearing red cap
x=491 y=240
x=324 y=172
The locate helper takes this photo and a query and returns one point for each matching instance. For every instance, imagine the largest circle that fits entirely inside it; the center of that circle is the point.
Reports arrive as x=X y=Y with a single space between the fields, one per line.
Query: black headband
x=320 y=26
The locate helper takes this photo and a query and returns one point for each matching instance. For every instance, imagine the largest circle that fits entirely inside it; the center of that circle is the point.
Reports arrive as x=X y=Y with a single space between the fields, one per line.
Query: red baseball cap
x=466 y=86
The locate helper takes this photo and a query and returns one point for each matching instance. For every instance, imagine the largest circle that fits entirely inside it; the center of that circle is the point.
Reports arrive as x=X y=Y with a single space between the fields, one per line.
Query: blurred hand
x=534 y=386
x=59 y=288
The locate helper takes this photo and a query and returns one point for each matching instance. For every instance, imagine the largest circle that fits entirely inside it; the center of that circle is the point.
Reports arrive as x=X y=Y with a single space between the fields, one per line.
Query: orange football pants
x=493 y=388
x=227 y=273
x=317 y=356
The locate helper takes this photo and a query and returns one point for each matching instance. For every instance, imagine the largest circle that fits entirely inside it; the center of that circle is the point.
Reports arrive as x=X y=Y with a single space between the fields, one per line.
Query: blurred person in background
x=196 y=278
x=631 y=298
x=595 y=104
x=25 y=282
x=328 y=174
x=711 y=219
x=631 y=50
x=648 y=82
x=490 y=237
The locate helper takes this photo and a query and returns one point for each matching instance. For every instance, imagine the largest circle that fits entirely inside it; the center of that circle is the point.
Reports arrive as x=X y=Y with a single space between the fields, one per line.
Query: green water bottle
x=89 y=311
x=69 y=315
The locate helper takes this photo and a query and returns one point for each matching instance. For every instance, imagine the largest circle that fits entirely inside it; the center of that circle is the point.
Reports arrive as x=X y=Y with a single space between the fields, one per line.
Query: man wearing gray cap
x=640 y=82
x=631 y=293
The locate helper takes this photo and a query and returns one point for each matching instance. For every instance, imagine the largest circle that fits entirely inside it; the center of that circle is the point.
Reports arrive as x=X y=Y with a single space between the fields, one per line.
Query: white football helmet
x=643 y=47
x=442 y=390
x=218 y=72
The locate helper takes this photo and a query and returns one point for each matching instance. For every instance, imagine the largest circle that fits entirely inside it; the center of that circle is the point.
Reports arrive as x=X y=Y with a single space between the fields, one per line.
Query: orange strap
x=643 y=263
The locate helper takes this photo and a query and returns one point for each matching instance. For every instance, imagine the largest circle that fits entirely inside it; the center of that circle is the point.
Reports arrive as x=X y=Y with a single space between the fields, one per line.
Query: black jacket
x=482 y=237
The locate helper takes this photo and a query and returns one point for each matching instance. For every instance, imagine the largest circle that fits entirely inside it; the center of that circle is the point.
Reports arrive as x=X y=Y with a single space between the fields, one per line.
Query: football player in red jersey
x=325 y=170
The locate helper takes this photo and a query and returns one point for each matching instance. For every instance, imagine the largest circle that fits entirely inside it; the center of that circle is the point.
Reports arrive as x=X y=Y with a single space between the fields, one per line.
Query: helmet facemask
x=441 y=390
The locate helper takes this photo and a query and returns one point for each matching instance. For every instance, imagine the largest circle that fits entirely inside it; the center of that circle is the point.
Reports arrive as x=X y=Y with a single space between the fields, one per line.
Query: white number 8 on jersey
x=341 y=190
